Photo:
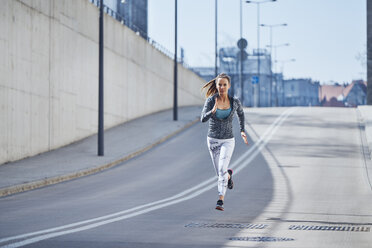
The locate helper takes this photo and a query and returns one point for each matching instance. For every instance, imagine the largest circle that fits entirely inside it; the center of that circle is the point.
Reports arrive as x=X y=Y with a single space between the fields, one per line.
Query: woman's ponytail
x=211 y=88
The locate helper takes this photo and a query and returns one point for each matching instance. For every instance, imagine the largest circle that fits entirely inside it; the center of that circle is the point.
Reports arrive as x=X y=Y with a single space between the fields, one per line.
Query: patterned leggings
x=221 y=151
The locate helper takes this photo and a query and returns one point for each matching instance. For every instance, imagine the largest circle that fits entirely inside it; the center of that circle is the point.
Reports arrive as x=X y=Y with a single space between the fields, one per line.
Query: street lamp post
x=283 y=62
x=101 y=125
x=241 y=55
x=276 y=86
x=100 y=84
x=271 y=59
x=258 y=44
x=215 y=35
x=175 y=114
x=275 y=47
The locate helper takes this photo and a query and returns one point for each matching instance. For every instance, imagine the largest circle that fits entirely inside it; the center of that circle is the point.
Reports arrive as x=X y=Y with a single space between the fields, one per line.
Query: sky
x=326 y=38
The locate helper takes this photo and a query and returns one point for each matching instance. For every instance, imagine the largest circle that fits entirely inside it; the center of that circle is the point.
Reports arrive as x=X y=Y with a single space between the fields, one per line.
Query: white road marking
x=208 y=184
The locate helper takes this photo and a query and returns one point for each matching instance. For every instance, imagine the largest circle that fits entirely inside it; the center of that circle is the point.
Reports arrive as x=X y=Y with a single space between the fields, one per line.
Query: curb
x=63 y=178
x=366 y=129
x=365 y=150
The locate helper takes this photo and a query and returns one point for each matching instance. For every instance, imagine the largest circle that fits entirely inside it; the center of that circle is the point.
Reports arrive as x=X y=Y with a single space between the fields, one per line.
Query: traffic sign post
x=242 y=44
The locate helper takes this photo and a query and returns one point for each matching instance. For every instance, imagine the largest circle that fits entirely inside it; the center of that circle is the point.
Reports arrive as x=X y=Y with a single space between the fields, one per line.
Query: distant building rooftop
x=334 y=95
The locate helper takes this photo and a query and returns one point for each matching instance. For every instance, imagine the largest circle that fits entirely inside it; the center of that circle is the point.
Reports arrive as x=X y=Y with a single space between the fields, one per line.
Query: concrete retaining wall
x=49 y=75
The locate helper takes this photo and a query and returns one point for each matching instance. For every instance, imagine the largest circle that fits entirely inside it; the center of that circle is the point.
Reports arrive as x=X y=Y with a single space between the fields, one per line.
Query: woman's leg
x=214 y=147
x=226 y=151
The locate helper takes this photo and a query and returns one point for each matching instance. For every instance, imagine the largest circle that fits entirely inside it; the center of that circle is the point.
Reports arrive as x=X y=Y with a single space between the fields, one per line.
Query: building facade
x=271 y=90
x=355 y=93
x=132 y=13
x=135 y=13
x=250 y=92
x=278 y=90
x=301 y=92
x=356 y=96
x=347 y=95
x=246 y=88
x=331 y=95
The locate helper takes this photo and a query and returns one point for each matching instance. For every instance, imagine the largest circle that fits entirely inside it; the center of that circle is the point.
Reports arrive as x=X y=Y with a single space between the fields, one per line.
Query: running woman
x=219 y=109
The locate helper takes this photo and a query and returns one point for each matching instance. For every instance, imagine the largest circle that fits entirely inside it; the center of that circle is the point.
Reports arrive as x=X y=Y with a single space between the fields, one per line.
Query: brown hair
x=211 y=85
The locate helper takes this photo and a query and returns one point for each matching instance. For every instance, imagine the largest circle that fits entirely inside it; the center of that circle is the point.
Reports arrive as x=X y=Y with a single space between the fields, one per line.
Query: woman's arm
x=240 y=113
x=208 y=110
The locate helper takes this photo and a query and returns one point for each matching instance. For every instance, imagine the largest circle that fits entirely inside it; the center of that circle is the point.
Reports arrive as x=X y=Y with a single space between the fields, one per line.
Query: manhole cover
x=227 y=225
x=331 y=228
x=261 y=239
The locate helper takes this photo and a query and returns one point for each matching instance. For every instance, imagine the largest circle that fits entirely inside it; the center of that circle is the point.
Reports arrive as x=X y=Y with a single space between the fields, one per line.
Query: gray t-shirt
x=222 y=128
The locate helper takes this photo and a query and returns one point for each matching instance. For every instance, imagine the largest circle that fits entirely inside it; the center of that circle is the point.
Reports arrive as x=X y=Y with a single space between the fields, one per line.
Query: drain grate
x=227 y=225
x=331 y=228
x=261 y=239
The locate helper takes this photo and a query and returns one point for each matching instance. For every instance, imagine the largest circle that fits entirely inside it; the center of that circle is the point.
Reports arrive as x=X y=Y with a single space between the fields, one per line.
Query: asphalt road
x=301 y=183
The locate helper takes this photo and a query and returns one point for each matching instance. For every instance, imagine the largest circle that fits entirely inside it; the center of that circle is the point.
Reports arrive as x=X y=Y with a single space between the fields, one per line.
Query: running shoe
x=230 y=183
x=219 y=205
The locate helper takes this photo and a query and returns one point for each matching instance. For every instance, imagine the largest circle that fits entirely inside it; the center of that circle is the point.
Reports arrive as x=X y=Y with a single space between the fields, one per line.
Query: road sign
x=255 y=79
x=242 y=43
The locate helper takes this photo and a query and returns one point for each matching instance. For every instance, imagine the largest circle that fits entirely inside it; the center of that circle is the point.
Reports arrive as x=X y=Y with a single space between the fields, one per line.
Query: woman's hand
x=244 y=137
x=215 y=105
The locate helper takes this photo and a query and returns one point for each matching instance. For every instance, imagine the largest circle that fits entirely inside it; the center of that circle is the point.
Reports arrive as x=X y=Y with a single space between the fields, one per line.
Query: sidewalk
x=79 y=159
